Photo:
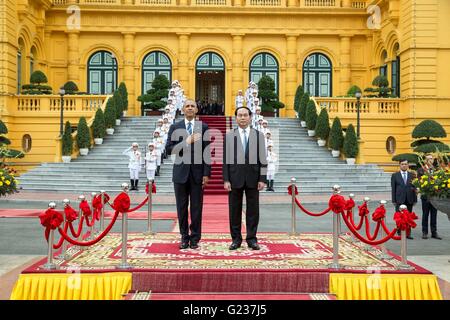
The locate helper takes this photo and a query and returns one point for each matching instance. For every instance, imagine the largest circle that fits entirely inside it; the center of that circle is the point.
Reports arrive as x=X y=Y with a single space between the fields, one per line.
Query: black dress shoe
x=234 y=246
x=184 y=245
x=193 y=245
x=409 y=237
x=254 y=246
x=424 y=236
x=436 y=236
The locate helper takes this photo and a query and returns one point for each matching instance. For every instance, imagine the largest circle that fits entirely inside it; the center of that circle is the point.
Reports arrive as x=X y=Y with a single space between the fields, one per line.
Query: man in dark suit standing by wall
x=403 y=191
x=429 y=212
x=187 y=139
x=244 y=170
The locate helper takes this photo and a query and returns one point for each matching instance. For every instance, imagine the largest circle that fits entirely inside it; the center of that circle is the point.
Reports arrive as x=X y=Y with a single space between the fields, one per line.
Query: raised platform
x=284 y=265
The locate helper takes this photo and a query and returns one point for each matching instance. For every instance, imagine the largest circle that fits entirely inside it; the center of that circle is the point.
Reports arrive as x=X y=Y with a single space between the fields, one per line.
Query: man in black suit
x=244 y=170
x=403 y=191
x=428 y=210
x=187 y=139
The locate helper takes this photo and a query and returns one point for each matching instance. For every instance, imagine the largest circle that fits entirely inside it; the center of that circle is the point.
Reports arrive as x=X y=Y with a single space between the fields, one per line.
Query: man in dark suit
x=429 y=212
x=244 y=170
x=187 y=139
x=403 y=191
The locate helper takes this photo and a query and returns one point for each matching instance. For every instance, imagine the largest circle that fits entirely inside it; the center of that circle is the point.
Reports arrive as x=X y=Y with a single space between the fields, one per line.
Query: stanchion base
x=334 y=266
x=123 y=266
x=405 y=267
x=49 y=266
x=63 y=257
x=385 y=256
x=294 y=234
x=149 y=233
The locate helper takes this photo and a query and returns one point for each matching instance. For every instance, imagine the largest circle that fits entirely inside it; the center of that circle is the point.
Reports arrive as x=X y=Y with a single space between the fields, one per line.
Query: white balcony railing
x=371 y=106
x=52 y=103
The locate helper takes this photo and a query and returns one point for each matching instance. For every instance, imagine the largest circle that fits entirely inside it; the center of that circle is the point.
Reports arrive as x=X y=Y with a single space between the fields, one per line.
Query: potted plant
x=268 y=96
x=298 y=97
x=322 y=127
x=336 y=139
x=302 y=109
x=311 y=118
x=71 y=87
x=381 y=89
x=155 y=98
x=353 y=90
x=110 y=116
x=351 y=147
x=38 y=84
x=436 y=186
x=67 y=143
x=83 y=137
x=124 y=94
x=99 y=127
x=118 y=103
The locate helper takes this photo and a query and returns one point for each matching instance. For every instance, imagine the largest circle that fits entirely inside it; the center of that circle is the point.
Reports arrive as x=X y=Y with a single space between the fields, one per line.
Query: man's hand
x=205 y=182
x=193 y=138
x=227 y=186
x=261 y=186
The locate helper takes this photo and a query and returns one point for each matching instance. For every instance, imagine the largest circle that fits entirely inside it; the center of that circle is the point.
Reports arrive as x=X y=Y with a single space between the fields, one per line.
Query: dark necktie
x=189 y=128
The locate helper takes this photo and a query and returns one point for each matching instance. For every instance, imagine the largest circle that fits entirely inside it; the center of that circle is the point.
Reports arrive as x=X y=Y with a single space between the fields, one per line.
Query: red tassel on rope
x=379 y=213
x=153 y=188
x=363 y=210
x=337 y=203
x=290 y=190
x=405 y=220
x=71 y=214
x=84 y=206
x=122 y=202
x=51 y=219
x=350 y=204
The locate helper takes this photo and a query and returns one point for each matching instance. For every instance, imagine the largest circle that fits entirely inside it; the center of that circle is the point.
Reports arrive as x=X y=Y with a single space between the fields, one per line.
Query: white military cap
x=151 y=144
x=156 y=131
x=135 y=144
x=268 y=132
x=269 y=145
x=258 y=108
x=265 y=121
x=160 y=120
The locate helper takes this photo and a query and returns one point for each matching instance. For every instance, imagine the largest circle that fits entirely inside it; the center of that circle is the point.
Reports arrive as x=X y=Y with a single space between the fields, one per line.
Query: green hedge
x=323 y=125
x=311 y=115
x=303 y=104
x=83 y=134
x=124 y=94
x=110 y=114
x=99 y=126
x=67 y=142
x=298 y=97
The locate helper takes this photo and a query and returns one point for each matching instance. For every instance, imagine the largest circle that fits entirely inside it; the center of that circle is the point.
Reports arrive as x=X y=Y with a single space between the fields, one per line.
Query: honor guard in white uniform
x=159 y=143
x=168 y=114
x=248 y=94
x=150 y=162
x=259 y=125
x=272 y=159
x=265 y=126
x=239 y=101
x=134 y=164
x=269 y=138
x=253 y=99
x=256 y=117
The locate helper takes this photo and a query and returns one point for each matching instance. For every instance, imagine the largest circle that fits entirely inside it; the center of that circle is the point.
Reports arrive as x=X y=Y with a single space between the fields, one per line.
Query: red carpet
x=215 y=185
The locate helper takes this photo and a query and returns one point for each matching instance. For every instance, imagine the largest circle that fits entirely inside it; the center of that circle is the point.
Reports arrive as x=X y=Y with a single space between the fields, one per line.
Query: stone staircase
x=299 y=156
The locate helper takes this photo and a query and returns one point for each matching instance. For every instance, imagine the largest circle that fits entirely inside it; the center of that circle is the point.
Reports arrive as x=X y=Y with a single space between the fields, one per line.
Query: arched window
x=395 y=72
x=264 y=64
x=19 y=64
x=154 y=64
x=383 y=66
x=102 y=73
x=210 y=78
x=33 y=56
x=317 y=75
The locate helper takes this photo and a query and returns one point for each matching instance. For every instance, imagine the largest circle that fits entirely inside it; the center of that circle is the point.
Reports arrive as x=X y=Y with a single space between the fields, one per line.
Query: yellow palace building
x=215 y=47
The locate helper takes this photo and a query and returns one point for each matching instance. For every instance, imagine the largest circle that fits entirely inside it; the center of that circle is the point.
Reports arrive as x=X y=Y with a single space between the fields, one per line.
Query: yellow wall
x=237 y=31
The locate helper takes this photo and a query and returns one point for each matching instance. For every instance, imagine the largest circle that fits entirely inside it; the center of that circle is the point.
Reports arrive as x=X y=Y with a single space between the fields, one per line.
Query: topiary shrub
x=153 y=99
x=323 y=125
x=70 y=87
x=37 y=86
x=298 y=97
x=303 y=104
x=353 y=90
x=124 y=94
x=99 y=126
x=5 y=152
x=382 y=89
x=311 y=115
x=351 y=147
x=67 y=142
x=336 y=139
x=118 y=103
x=110 y=114
x=38 y=77
x=83 y=134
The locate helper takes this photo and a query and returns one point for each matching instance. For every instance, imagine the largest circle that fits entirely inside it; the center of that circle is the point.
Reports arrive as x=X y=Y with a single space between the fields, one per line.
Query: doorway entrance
x=210 y=84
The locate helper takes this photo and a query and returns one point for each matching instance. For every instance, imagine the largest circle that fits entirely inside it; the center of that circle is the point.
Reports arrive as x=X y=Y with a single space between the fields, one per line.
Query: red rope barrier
x=139 y=206
x=80 y=228
x=361 y=238
x=361 y=220
x=395 y=237
x=309 y=212
x=89 y=243
x=377 y=228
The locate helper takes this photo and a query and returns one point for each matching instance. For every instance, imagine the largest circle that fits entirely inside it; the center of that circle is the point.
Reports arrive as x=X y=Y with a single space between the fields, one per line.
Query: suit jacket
x=244 y=169
x=403 y=193
x=194 y=161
